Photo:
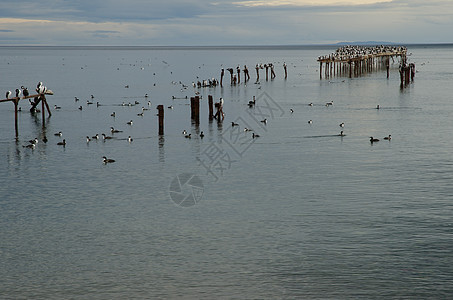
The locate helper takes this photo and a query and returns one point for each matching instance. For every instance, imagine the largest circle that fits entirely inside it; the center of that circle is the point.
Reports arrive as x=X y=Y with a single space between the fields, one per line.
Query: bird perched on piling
x=18 y=93
x=8 y=94
x=25 y=91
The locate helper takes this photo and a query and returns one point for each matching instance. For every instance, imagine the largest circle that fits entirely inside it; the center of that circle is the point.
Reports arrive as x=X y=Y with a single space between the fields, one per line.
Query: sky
x=223 y=22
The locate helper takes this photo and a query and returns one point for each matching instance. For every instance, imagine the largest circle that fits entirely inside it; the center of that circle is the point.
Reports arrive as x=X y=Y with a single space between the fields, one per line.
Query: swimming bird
x=98 y=104
x=88 y=139
x=264 y=121
x=146 y=95
x=80 y=107
x=184 y=132
x=105 y=137
x=113 y=130
x=372 y=140
x=107 y=160
x=388 y=137
x=57 y=107
x=310 y=122
x=59 y=133
x=234 y=124
x=255 y=135
x=96 y=137
x=76 y=99
x=342 y=133
x=341 y=125
x=113 y=114
x=310 y=104
x=8 y=94
x=201 y=135
x=247 y=129
x=170 y=107
x=136 y=102
x=30 y=146
x=63 y=143
x=89 y=102
x=129 y=123
x=129 y=139
x=377 y=107
x=291 y=110
x=34 y=141
x=140 y=114
x=329 y=103
x=188 y=136
x=92 y=97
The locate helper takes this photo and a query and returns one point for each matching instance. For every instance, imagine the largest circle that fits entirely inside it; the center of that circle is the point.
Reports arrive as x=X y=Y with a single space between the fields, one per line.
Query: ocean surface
x=297 y=213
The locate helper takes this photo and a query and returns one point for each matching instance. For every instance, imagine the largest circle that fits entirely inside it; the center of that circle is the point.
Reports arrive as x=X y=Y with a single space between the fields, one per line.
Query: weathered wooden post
x=211 y=108
x=195 y=109
x=387 y=66
x=16 y=102
x=160 y=113
x=320 y=70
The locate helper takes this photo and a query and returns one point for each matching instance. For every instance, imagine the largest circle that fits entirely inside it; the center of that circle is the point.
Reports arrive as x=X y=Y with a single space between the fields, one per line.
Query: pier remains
x=358 y=60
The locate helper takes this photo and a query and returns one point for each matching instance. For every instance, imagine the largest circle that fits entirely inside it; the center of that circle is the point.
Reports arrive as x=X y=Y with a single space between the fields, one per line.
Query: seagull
x=107 y=160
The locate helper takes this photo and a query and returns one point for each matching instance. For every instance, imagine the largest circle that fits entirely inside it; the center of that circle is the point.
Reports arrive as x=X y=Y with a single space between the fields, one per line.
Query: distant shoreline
x=224 y=47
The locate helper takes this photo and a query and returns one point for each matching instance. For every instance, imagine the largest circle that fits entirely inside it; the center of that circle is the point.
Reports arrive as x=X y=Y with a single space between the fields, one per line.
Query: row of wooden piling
x=194 y=112
x=357 y=65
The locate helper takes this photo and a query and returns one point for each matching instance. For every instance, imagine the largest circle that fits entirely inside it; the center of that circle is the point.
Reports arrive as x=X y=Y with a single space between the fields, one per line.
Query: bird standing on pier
x=25 y=91
x=18 y=93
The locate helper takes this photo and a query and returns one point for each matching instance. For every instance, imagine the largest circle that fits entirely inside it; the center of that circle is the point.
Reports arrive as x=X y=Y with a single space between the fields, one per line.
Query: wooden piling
x=211 y=108
x=16 y=127
x=195 y=109
x=160 y=113
x=37 y=98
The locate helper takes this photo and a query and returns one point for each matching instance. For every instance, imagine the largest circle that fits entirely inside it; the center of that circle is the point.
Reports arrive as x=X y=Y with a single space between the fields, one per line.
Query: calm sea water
x=299 y=212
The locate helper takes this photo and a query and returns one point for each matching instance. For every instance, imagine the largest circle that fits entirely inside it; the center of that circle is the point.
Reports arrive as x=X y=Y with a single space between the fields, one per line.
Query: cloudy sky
x=223 y=22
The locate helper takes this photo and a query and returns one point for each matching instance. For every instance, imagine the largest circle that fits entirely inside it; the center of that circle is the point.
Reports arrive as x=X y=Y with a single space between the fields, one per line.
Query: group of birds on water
x=342 y=124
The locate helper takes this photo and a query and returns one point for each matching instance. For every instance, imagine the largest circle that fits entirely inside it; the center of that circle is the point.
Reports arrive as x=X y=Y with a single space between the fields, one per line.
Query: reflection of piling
x=160 y=113
x=195 y=109
x=211 y=108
